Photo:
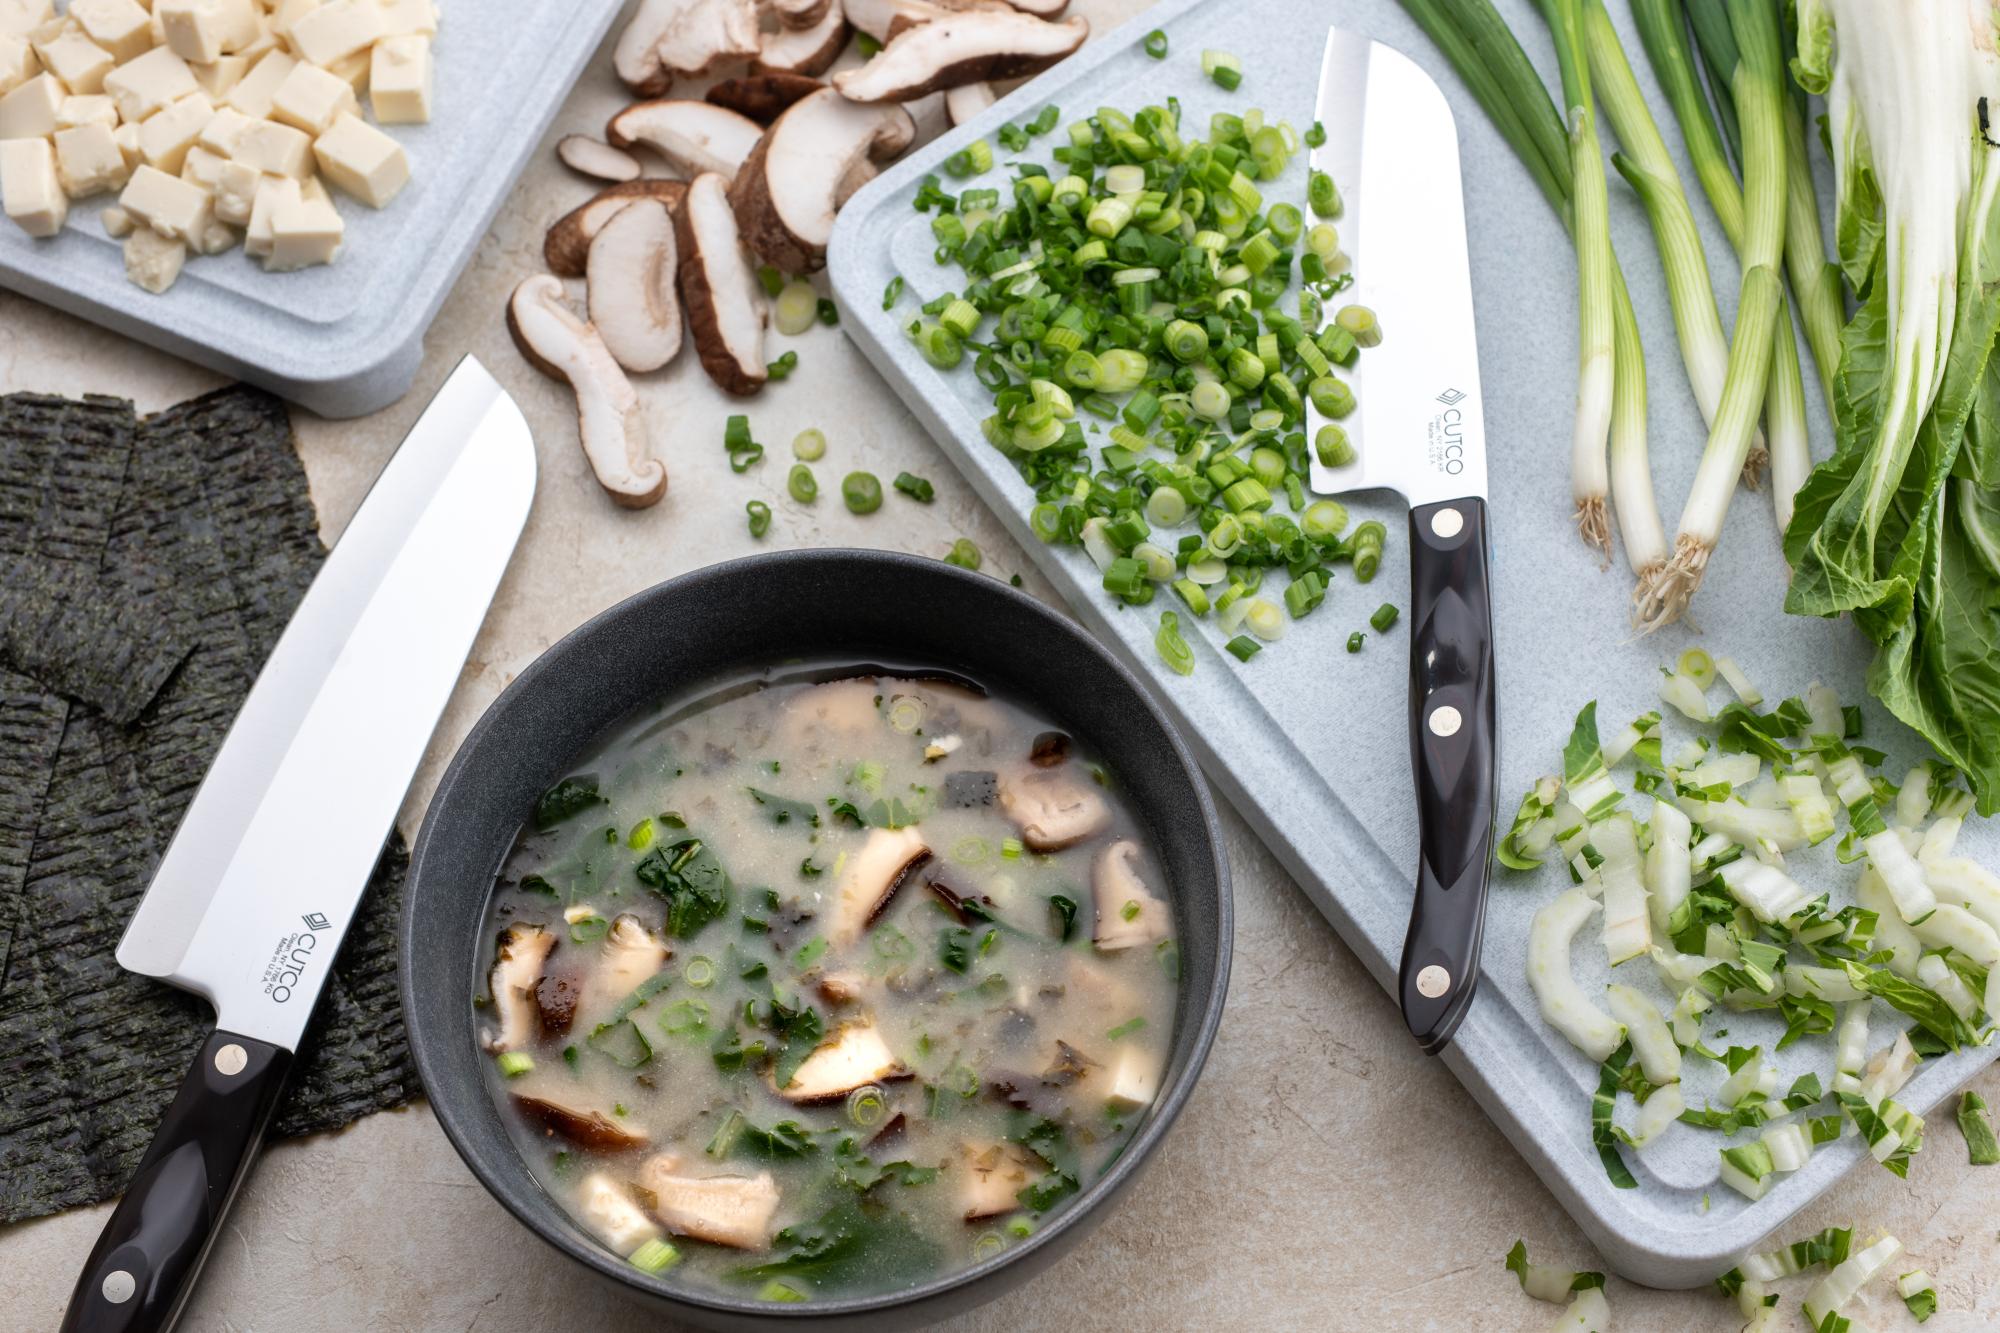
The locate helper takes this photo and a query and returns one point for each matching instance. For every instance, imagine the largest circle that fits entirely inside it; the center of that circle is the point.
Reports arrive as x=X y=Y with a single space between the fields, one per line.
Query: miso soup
x=821 y=987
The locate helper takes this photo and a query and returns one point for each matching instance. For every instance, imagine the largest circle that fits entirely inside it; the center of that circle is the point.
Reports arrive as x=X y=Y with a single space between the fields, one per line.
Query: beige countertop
x=1324 y=1175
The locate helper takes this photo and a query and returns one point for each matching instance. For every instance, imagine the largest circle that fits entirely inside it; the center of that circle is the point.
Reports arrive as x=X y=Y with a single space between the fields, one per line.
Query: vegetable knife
x=1392 y=150
x=258 y=886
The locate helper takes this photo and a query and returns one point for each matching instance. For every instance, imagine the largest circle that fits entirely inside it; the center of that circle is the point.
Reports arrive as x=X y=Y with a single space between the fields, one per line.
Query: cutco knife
x=1392 y=150
x=253 y=896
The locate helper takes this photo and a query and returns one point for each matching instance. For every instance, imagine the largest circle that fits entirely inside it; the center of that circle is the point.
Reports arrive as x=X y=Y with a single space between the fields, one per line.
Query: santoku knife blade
x=1392 y=149
x=256 y=890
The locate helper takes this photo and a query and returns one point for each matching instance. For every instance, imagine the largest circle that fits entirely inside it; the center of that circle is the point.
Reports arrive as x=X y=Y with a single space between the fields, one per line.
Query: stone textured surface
x=1324 y=1176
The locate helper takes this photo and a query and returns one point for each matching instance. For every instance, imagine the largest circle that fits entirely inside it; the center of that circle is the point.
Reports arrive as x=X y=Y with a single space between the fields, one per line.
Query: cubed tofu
x=400 y=80
x=18 y=18
x=91 y=109
x=353 y=70
x=1135 y=1081
x=272 y=193
x=117 y=223
x=218 y=76
x=215 y=238
x=356 y=157
x=203 y=167
x=121 y=27
x=127 y=136
x=153 y=261
x=32 y=192
x=236 y=193
x=80 y=63
x=304 y=232
x=18 y=62
x=30 y=111
x=200 y=31
x=252 y=96
x=167 y=204
x=274 y=149
x=403 y=18
x=337 y=30
x=224 y=131
x=265 y=41
x=311 y=99
x=285 y=15
x=150 y=83
x=88 y=161
x=165 y=138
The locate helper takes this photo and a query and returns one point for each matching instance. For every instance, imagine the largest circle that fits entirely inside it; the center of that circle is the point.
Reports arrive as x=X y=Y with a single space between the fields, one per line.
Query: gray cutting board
x=1310 y=743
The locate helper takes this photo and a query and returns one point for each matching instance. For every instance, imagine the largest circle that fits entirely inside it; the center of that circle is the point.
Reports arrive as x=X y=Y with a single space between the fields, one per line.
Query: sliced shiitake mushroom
x=566 y=249
x=1053 y=809
x=1041 y=9
x=597 y=159
x=991 y=1176
x=871 y=878
x=582 y=1126
x=629 y=956
x=878 y=17
x=665 y=38
x=517 y=967
x=853 y=1057
x=609 y=419
x=633 y=267
x=804 y=167
x=636 y=58
x=1127 y=913
x=959 y=49
x=762 y=97
x=725 y=306
x=809 y=50
x=966 y=101
x=724 y=1210
x=796 y=14
x=693 y=136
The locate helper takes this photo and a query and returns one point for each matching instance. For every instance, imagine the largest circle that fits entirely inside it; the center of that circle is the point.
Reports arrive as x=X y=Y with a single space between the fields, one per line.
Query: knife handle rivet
x=1445 y=721
x=229 y=1061
x=1447 y=523
x=1433 y=981
x=118 y=1286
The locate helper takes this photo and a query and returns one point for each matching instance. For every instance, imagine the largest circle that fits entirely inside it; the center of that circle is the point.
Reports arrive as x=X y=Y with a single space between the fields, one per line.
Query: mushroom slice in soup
x=1127 y=911
x=517 y=967
x=1053 y=809
x=629 y=955
x=853 y=1057
x=991 y=1177
x=609 y=1211
x=580 y=1125
x=725 y=1210
x=872 y=877
x=832 y=717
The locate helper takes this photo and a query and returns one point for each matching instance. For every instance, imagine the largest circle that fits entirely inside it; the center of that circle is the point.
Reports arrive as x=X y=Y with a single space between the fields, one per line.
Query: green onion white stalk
x=1758 y=92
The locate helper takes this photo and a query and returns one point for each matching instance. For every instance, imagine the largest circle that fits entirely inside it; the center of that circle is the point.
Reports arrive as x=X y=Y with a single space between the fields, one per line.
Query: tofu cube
x=79 y=62
x=88 y=161
x=304 y=232
x=18 y=18
x=30 y=111
x=153 y=261
x=353 y=70
x=253 y=95
x=400 y=80
x=265 y=40
x=167 y=204
x=215 y=238
x=201 y=31
x=218 y=76
x=274 y=149
x=285 y=15
x=18 y=62
x=1135 y=1081
x=405 y=18
x=236 y=193
x=32 y=193
x=224 y=131
x=272 y=192
x=203 y=168
x=166 y=137
x=337 y=30
x=356 y=157
x=311 y=99
x=117 y=223
x=127 y=137
x=93 y=109
x=152 y=82
x=121 y=27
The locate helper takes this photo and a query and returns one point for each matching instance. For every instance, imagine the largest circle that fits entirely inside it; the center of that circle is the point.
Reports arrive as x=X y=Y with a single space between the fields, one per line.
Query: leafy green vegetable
x=622 y=1041
x=854 y=1170
x=854 y=1239
x=567 y=799
x=1980 y=1145
x=786 y=811
x=689 y=875
x=955 y=948
x=1064 y=908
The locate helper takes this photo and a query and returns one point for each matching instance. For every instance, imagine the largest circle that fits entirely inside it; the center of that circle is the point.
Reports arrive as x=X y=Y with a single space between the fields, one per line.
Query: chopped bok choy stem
x=1564 y=1005
x=1831 y=1294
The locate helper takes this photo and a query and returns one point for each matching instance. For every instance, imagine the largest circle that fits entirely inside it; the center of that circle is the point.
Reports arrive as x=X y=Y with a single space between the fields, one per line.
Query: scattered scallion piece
x=1243 y=647
x=760 y=517
x=784 y=1293
x=783 y=366
x=1385 y=616
x=1223 y=68
x=862 y=492
x=917 y=488
x=771 y=279
x=1174 y=649
x=964 y=554
x=655 y=1256
x=736 y=442
x=1355 y=640
x=809 y=445
x=513 y=1064
x=801 y=484
x=893 y=292
x=828 y=312
x=1156 y=44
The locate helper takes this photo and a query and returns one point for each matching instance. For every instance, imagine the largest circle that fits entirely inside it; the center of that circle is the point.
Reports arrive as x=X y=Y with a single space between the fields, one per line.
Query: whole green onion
x=862 y=492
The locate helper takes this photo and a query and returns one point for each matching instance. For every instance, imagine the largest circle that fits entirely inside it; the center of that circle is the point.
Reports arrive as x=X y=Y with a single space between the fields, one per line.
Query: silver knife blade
x=262 y=877
x=1392 y=150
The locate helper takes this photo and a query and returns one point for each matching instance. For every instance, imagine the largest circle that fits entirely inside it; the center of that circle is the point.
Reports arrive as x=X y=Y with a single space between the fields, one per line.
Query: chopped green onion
x=1333 y=446
x=862 y=492
x=1359 y=322
x=760 y=517
x=797 y=308
x=809 y=445
x=1331 y=397
x=513 y=1064
x=971 y=160
x=782 y=367
x=1156 y=44
x=1369 y=539
x=1173 y=647
x=699 y=972
x=829 y=313
x=1323 y=519
x=1355 y=640
x=774 y=1290
x=655 y=1256
x=1385 y=616
x=917 y=488
x=770 y=279
x=1323 y=197
x=801 y=484
x=1243 y=648
x=963 y=553
x=892 y=293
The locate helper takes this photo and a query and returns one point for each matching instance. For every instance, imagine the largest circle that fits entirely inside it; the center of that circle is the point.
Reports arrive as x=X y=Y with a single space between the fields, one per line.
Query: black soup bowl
x=723 y=624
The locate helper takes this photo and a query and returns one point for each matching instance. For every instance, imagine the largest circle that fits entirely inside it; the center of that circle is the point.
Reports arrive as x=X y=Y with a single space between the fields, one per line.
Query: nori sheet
x=207 y=542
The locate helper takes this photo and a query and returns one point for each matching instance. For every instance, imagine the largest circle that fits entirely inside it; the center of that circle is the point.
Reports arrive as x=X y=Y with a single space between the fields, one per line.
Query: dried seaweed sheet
x=60 y=630
x=210 y=544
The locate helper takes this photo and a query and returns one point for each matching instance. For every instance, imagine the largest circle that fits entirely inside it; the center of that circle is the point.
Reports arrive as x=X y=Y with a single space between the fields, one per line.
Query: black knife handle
x=161 y=1229
x=1452 y=753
